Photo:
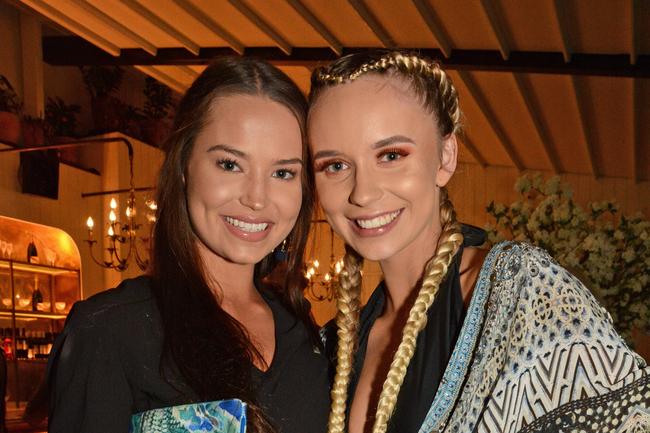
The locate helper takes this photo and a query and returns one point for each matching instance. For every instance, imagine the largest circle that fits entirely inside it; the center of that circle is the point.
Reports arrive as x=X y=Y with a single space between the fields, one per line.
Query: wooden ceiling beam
x=636 y=132
x=432 y=21
x=634 y=49
x=211 y=24
x=491 y=118
x=561 y=15
x=497 y=25
x=535 y=114
x=73 y=50
x=171 y=31
x=473 y=150
x=317 y=25
x=164 y=78
x=371 y=20
x=72 y=25
x=188 y=71
x=118 y=27
x=265 y=27
x=580 y=96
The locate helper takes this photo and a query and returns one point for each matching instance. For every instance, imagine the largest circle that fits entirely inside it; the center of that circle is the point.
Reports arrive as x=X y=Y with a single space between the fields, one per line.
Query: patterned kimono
x=537 y=353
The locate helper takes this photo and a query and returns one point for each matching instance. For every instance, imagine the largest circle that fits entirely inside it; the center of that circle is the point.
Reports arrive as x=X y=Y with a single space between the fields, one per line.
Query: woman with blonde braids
x=455 y=338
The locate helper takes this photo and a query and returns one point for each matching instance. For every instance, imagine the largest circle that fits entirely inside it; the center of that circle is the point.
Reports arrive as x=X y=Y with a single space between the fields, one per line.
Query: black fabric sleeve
x=89 y=391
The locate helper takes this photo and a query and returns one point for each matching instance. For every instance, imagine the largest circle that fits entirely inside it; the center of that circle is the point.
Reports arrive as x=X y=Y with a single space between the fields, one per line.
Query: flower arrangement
x=610 y=253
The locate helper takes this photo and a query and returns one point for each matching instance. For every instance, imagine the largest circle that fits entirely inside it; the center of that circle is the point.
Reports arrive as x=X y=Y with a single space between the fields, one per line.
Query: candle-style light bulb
x=111 y=216
x=110 y=231
x=327 y=277
x=128 y=211
x=316 y=264
x=113 y=204
x=90 y=223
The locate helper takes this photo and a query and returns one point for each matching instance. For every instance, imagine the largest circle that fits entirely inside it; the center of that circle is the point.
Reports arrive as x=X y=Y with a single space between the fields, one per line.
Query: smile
x=379 y=221
x=245 y=226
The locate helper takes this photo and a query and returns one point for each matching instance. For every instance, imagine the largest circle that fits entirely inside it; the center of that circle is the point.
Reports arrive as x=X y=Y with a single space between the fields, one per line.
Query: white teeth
x=247 y=227
x=379 y=221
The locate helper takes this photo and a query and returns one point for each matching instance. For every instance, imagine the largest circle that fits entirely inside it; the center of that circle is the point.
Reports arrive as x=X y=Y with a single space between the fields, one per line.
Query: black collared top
x=105 y=367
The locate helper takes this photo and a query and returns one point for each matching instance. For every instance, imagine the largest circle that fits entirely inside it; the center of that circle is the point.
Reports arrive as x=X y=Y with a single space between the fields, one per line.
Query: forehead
x=371 y=107
x=251 y=121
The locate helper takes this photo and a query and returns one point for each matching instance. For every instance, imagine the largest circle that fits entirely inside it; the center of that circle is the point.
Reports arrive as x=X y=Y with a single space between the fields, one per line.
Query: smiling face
x=379 y=162
x=243 y=178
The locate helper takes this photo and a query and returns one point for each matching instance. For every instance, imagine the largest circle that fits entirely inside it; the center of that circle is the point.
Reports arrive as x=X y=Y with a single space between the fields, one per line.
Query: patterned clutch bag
x=223 y=416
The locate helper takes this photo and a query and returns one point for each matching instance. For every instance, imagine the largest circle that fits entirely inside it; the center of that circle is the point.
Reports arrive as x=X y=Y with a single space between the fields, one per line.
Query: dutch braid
x=439 y=95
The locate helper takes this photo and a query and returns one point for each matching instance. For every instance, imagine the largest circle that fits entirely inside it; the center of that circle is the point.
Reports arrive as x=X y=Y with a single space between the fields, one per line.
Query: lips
x=248 y=229
x=376 y=225
x=246 y=226
x=378 y=221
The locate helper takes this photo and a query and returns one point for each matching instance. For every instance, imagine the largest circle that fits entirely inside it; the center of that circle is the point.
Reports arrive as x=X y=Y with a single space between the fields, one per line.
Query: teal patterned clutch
x=223 y=416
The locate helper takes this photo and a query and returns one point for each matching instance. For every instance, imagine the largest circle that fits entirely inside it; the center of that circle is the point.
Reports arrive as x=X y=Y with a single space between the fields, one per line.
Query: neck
x=231 y=283
x=403 y=271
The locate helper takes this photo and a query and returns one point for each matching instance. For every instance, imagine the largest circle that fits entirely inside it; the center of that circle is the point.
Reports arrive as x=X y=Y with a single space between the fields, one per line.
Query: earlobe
x=448 y=160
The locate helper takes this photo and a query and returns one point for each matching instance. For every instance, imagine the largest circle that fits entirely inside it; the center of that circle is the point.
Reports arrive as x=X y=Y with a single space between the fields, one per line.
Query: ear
x=448 y=160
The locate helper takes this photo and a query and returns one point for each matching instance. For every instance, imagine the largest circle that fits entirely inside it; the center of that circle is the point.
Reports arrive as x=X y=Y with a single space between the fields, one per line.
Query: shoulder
x=133 y=297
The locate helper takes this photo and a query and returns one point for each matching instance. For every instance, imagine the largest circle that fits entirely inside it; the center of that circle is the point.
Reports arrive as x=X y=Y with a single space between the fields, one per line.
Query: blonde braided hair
x=438 y=94
x=348 y=304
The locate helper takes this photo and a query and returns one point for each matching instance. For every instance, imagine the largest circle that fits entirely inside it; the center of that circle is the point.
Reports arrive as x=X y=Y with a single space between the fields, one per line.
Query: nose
x=254 y=194
x=366 y=189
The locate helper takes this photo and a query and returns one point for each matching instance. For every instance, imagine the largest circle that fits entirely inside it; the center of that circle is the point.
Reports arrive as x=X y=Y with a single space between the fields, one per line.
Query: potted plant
x=10 y=108
x=157 y=107
x=131 y=121
x=61 y=119
x=33 y=131
x=61 y=123
x=102 y=83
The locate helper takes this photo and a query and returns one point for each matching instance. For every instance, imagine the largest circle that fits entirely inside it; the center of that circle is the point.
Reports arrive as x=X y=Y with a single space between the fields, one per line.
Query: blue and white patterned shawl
x=537 y=353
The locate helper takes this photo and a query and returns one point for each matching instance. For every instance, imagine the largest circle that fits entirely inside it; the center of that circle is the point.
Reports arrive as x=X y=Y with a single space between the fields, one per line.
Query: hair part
x=438 y=95
x=209 y=348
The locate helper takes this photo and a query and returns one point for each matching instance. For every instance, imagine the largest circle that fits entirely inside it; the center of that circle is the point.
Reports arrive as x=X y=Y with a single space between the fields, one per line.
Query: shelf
x=37 y=268
x=32 y=314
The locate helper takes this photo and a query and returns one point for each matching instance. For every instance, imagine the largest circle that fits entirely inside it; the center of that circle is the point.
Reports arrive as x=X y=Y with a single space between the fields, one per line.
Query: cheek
x=288 y=199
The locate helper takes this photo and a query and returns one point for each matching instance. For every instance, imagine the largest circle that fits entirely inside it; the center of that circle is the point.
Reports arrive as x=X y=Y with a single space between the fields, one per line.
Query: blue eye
x=284 y=174
x=333 y=167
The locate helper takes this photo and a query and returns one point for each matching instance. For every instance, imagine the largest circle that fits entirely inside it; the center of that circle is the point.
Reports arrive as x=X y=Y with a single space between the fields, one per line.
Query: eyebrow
x=241 y=154
x=378 y=145
x=227 y=149
x=392 y=140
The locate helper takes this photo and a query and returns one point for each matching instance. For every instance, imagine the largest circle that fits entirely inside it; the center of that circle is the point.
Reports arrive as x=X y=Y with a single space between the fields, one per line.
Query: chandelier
x=125 y=234
x=321 y=285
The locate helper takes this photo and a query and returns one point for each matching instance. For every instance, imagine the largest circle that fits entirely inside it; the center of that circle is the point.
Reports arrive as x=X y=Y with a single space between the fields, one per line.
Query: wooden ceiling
x=557 y=85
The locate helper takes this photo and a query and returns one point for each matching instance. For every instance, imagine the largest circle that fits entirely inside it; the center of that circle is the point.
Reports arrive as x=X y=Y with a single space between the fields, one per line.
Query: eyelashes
x=333 y=166
x=231 y=165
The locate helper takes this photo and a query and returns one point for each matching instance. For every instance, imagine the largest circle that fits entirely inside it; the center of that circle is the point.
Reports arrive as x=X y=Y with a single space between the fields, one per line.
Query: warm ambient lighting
x=125 y=235
x=323 y=286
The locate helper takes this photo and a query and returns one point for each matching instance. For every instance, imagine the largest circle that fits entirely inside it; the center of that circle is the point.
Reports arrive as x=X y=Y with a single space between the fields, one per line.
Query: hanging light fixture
x=127 y=234
x=321 y=285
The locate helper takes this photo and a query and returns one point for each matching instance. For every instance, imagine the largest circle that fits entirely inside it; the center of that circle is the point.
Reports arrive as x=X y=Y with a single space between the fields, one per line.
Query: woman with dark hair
x=205 y=342
x=455 y=339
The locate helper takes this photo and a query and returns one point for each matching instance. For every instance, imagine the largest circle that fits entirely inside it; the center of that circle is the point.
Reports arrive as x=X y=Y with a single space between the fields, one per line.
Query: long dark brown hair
x=210 y=349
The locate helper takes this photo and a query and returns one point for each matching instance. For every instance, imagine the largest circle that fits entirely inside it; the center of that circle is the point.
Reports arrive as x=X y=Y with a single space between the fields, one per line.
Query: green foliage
x=102 y=81
x=610 y=253
x=9 y=100
x=158 y=99
x=61 y=117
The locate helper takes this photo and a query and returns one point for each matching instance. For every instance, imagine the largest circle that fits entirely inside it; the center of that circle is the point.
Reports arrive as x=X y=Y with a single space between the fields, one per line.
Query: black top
x=104 y=367
x=434 y=346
